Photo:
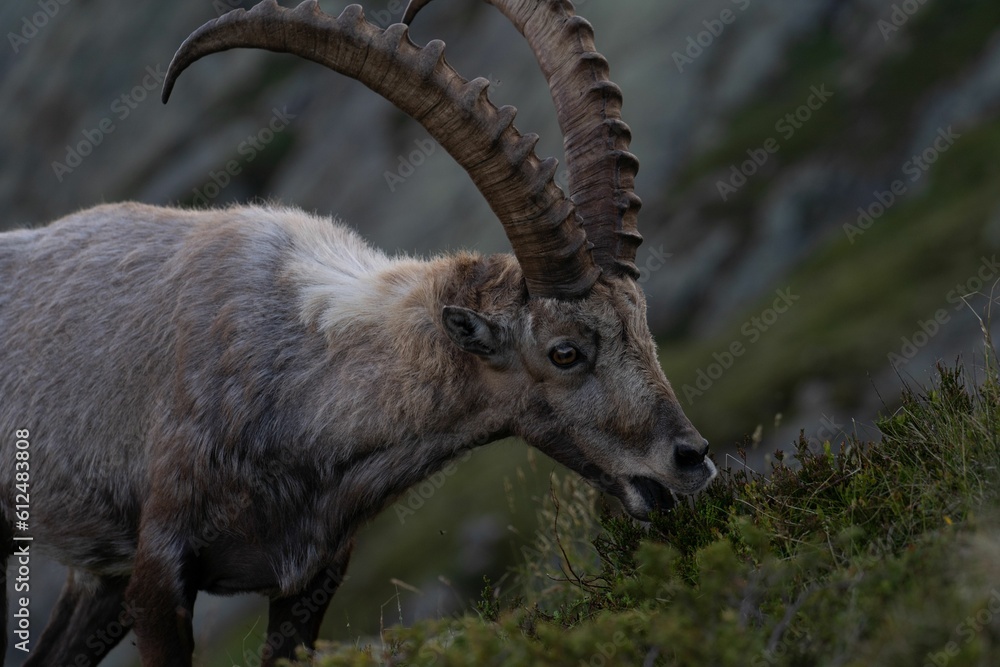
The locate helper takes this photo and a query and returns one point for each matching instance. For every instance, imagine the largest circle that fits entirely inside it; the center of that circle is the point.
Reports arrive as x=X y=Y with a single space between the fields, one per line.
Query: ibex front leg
x=294 y=621
x=162 y=594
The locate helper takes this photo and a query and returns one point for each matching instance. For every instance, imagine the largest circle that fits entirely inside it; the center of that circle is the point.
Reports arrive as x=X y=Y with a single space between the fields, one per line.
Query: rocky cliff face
x=840 y=152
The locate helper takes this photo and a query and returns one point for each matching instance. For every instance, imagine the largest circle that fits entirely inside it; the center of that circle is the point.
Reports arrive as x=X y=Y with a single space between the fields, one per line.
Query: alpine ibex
x=263 y=377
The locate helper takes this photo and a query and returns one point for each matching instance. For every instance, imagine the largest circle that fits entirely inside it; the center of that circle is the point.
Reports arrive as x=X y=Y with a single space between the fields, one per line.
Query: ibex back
x=217 y=400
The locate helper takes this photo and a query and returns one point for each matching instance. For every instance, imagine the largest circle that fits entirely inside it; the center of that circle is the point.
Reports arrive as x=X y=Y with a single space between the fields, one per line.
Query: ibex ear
x=471 y=331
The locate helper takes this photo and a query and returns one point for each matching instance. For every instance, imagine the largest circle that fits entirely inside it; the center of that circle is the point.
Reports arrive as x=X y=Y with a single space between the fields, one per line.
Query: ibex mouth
x=654 y=495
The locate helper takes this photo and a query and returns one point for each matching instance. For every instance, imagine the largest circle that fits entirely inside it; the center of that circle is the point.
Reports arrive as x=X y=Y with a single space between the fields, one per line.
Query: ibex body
x=218 y=399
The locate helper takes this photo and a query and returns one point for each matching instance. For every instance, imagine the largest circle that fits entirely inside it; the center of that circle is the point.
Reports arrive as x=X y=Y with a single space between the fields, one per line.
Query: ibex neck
x=381 y=318
x=400 y=400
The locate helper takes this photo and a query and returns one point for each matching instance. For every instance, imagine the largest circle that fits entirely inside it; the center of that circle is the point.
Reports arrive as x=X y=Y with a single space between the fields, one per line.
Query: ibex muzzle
x=218 y=399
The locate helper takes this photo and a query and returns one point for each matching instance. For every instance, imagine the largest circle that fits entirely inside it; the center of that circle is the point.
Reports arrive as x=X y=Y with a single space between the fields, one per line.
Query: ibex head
x=563 y=328
x=593 y=396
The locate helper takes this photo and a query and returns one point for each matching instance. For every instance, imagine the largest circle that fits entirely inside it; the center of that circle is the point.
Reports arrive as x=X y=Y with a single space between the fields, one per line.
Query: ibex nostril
x=691 y=455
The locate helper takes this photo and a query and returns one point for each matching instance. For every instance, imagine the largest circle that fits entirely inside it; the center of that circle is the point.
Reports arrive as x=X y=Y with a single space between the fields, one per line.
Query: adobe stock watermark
x=752 y=330
x=104 y=639
x=829 y=428
x=989 y=270
x=383 y=18
x=419 y=494
x=221 y=7
x=785 y=634
x=248 y=149
x=607 y=652
x=312 y=601
x=900 y=14
x=121 y=108
x=32 y=24
x=408 y=163
x=211 y=531
x=786 y=127
x=654 y=262
x=966 y=631
x=699 y=42
x=913 y=169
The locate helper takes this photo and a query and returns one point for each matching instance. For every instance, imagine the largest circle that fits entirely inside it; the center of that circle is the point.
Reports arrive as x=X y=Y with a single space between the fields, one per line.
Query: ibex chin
x=216 y=400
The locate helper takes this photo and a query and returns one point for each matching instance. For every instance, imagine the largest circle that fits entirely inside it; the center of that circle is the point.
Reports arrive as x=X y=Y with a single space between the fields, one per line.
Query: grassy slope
x=870 y=553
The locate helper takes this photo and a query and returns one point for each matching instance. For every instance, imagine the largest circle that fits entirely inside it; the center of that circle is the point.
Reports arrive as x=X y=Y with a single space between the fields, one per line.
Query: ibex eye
x=564 y=355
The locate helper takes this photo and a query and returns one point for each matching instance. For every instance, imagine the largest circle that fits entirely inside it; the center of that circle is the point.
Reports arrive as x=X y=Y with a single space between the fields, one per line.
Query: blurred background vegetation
x=789 y=286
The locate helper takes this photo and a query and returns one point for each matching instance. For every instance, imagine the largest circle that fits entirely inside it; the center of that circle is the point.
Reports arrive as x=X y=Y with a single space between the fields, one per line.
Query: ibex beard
x=219 y=399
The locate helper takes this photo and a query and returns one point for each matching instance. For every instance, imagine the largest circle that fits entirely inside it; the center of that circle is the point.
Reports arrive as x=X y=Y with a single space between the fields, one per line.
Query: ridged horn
x=588 y=105
x=541 y=223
